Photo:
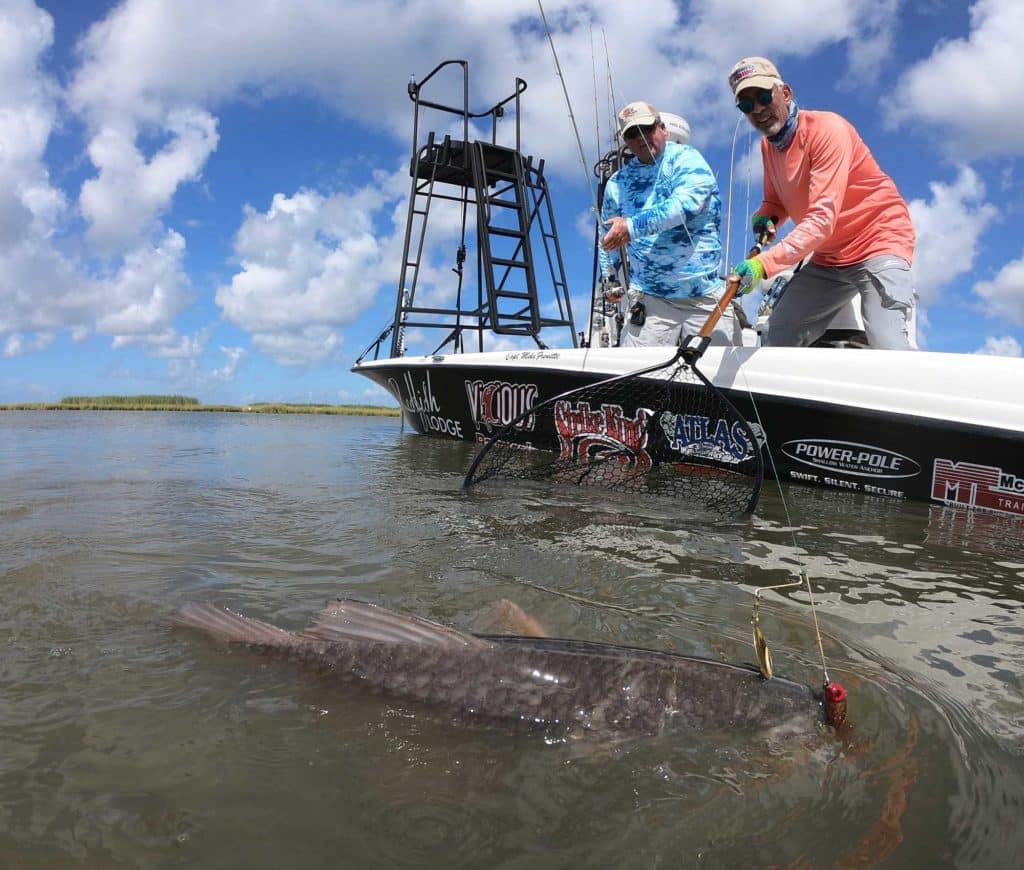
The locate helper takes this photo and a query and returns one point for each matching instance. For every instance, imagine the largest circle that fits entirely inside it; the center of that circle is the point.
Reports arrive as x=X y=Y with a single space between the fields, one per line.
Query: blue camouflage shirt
x=674 y=214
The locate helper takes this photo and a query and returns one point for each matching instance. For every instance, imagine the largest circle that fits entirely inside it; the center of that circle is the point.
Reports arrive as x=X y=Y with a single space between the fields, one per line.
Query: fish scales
x=539 y=682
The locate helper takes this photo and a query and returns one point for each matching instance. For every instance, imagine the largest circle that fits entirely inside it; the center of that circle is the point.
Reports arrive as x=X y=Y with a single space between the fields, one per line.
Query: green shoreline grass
x=187 y=403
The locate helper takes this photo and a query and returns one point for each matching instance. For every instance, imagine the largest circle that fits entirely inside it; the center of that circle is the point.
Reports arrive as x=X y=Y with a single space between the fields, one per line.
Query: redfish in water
x=569 y=685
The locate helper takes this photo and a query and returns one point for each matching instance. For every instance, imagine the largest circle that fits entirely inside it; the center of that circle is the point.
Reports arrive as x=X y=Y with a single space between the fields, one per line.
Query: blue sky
x=209 y=198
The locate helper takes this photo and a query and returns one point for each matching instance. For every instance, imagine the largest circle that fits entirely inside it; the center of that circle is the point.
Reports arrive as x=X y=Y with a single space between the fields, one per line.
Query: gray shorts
x=668 y=319
x=816 y=293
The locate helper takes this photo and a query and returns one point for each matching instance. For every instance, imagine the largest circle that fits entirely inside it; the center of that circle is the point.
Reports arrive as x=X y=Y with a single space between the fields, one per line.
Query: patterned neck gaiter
x=781 y=140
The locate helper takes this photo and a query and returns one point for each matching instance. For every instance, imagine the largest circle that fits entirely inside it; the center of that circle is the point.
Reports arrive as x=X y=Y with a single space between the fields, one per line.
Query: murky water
x=126 y=743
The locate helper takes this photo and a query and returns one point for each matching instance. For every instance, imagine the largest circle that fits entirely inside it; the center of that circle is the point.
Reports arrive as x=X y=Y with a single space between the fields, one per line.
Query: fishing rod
x=605 y=167
x=595 y=196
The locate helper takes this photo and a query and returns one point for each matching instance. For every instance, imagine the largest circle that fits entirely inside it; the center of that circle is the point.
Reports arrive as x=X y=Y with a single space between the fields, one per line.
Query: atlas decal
x=695 y=435
x=972 y=485
x=422 y=402
x=586 y=434
x=493 y=404
x=848 y=457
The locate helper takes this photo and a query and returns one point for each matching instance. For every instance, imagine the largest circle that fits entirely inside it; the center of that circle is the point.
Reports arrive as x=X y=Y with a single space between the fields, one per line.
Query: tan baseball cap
x=638 y=114
x=753 y=72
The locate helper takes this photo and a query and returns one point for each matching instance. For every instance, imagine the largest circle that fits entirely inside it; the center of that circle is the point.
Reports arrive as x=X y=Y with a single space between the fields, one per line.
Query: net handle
x=693 y=346
x=732 y=285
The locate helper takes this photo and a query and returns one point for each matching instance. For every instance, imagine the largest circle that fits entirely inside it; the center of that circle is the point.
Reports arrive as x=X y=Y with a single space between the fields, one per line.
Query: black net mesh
x=669 y=432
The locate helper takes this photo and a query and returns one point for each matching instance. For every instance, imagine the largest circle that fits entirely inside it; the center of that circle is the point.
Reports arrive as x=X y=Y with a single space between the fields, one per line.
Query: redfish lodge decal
x=605 y=433
x=419 y=400
x=694 y=435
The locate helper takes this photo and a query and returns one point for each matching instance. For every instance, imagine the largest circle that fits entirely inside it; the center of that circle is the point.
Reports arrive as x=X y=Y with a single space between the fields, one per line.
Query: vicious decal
x=859 y=460
x=493 y=404
x=985 y=486
x=587 y=434
x=707 y=437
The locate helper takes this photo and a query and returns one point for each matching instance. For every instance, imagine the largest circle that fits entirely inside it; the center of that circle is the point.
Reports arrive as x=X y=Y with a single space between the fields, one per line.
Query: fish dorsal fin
x=352 y=621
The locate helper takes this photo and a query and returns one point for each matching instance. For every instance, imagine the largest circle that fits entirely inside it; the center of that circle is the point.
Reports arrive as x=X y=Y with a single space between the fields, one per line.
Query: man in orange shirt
x=848 y=215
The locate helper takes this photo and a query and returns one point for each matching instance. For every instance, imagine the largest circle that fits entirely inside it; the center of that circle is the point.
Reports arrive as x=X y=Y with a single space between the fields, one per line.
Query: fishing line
x=568 y=104
x=644 y=611
x=579 y=141
x=597 y=110
x=612 y=99
x=728 y=206
x=613 y=142
x=804 y=579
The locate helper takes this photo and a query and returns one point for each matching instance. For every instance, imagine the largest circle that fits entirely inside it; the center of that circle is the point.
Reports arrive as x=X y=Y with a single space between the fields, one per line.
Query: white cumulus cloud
x=949 y=227
x=962 y=89
x=299 y=346
x=45 y=285
x=148 y=292
x=17 y=344
x=1005 y=345
x=309 y=264
x=1003 y=296
x=124 y=200
x=226 y=372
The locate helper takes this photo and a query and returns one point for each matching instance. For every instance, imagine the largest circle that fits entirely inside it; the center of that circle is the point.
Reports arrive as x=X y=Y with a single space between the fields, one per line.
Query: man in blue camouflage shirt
x=664 y=205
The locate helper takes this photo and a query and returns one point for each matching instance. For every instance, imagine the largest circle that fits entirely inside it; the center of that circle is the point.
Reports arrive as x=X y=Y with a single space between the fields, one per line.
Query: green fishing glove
x=763 y=225
x=751 y=272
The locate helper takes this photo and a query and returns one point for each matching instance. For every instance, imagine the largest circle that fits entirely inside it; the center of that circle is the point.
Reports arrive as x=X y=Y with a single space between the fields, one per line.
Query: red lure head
x=835 y=704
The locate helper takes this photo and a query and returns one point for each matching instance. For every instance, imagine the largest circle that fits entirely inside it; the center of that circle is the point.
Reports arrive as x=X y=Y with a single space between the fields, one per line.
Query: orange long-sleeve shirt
x=846 y=209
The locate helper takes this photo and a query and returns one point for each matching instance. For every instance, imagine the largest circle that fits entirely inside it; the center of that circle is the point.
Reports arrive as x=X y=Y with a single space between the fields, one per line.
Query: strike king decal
x=420 y=400
x=984 y=486
x=584 y=434
x=847 y=457
x=716 y=439
x=493 y=404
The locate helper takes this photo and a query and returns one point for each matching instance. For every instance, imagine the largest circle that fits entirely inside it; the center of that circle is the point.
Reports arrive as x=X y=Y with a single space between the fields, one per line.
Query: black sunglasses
x=764 y=97
x=637 y=132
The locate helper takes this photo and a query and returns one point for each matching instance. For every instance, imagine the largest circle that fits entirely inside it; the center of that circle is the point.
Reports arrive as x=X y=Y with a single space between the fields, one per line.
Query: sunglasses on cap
x=636 y=132
x=764 y=97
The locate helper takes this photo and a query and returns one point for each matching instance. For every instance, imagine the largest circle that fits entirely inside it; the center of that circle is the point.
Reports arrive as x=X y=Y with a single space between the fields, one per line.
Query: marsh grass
x=187 y=403
x=290 y=408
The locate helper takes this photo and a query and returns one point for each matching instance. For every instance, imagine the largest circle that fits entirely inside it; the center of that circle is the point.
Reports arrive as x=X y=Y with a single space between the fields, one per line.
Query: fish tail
x=230 y=627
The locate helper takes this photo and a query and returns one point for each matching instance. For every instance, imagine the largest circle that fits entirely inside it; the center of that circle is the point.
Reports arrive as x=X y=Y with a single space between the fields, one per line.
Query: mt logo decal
x=971 y=485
